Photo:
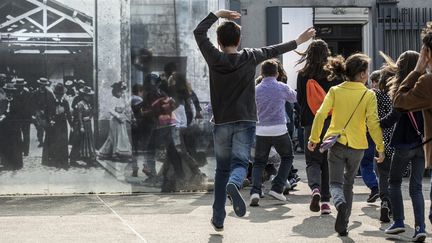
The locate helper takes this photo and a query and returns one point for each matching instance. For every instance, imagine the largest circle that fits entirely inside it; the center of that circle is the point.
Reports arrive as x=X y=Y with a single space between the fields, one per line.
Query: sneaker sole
x=420 y=237
x=385 y=216
x=373 y=199
x=238 y=203
x=314 y=205
x=395 y=231
x=254 y=202
x=340 y=224
x=325 y=212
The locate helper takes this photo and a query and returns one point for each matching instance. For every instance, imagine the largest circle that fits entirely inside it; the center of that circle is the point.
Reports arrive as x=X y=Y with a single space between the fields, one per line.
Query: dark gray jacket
x=232 y=76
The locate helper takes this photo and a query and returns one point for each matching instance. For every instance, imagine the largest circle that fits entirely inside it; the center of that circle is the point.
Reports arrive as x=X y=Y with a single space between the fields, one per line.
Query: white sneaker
x=288 y=185
x=254 y=200
x=278 y=196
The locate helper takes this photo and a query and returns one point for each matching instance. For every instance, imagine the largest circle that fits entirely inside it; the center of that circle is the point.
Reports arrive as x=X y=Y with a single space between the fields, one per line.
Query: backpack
x=315 y=95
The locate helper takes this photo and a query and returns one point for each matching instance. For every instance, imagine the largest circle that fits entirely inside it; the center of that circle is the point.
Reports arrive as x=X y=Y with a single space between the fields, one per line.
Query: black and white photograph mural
x=47 y=97
x=103 y=97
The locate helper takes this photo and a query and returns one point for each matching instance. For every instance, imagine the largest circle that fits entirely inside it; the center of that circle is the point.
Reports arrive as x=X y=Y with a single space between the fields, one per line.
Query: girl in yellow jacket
x=353 y=108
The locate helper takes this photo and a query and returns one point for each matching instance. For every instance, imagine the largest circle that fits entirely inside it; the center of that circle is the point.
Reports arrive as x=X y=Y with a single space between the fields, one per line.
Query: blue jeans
x=283 y=147
x=367 y=165
x=232 y=145
x=400 y=160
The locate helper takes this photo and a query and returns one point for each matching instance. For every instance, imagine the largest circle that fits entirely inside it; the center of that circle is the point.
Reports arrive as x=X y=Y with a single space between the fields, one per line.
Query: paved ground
x=185 y=218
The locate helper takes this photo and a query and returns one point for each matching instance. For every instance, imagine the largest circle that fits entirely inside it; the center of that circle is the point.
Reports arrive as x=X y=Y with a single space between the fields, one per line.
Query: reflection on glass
x=169 y=84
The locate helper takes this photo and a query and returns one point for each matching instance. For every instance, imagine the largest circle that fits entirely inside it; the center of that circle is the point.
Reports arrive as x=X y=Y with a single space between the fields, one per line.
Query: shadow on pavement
x=267 y=213
x=371 y=211
x=308 y=227
x=215 y=238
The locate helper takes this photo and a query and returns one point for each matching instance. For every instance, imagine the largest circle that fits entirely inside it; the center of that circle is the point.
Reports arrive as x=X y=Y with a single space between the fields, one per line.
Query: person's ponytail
x=336 y=67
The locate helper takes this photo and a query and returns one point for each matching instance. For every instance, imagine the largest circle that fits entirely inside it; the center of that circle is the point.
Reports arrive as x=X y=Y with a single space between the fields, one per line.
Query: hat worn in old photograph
x=44 y=81
x=86 y=90
x=9 y=87
x=20 y=82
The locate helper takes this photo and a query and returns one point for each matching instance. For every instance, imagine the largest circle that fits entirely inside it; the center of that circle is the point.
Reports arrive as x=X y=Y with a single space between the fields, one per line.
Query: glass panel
x=167 y=63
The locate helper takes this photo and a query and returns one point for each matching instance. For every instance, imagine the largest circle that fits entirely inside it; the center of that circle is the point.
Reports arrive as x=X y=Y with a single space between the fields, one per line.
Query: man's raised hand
x=306 y=35
x=227 y=14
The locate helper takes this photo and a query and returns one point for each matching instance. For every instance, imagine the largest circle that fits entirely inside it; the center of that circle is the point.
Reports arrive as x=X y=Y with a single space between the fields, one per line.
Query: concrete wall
x=253 y=24
x=415 y=3
x=113 y=55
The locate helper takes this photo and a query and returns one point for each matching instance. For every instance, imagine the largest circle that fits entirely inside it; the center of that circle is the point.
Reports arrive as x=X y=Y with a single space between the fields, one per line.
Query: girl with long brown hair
x=415 y=93
x=406 y=136
x=312 y=82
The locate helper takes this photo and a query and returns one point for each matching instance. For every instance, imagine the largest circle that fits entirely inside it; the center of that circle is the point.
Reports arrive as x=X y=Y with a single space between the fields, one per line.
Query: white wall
x=294 y=22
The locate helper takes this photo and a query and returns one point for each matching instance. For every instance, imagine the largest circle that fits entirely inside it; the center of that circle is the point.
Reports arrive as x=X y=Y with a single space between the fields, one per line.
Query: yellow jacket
x=343 y=99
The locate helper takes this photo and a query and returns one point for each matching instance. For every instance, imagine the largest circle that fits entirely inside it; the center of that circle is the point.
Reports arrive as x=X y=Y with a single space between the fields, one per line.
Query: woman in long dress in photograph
x=117 y=144
x=55 y=149
x=82 y=140
x=10 y=133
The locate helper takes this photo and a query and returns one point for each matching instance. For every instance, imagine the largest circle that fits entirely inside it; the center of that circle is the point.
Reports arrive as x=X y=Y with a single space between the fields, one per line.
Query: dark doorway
x=343 y=39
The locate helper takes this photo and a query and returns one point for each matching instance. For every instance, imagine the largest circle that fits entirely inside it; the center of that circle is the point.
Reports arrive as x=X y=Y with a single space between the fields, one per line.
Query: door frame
x=342 y=15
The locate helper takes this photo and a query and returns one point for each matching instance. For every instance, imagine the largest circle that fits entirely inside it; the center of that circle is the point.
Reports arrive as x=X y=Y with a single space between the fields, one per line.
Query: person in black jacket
x=315 y=59
x=55 y=150
x=232 y=90
x=22 y=97
x=407 y=137
x=10 y=132
x=43 y=97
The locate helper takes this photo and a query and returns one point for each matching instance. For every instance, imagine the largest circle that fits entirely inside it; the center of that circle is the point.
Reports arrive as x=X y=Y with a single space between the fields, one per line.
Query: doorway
x=342 y=39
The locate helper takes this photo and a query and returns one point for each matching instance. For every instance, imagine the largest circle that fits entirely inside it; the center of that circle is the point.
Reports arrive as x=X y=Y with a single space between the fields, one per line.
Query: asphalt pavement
x=184 y=217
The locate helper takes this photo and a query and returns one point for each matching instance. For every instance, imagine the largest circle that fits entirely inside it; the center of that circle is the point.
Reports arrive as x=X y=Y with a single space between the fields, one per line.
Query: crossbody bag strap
x=354 y=110
x=414 y=123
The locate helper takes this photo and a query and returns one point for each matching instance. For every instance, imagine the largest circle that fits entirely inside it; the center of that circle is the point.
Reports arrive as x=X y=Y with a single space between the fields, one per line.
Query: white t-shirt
x=271 y=131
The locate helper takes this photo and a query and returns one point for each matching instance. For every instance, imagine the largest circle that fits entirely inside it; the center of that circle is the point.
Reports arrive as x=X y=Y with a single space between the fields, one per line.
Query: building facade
x=348 y=26
x=102 y=42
